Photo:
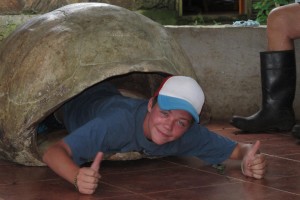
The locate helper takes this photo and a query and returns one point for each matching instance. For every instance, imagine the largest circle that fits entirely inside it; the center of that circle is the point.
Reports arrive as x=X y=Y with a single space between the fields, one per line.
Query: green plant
x=162 y=16
x=264 y=7
x=6 y=29
x=199 y=20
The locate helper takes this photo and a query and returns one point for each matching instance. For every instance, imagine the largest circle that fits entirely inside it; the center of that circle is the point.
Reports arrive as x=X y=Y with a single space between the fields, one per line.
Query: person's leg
x=283 y=38
x=283 y=27
x=49 y=124
x=278 y=81
x=278 y=74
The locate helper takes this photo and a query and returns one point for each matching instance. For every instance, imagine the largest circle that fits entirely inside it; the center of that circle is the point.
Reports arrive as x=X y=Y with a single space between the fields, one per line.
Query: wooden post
x=241 y=7
x=179 y=7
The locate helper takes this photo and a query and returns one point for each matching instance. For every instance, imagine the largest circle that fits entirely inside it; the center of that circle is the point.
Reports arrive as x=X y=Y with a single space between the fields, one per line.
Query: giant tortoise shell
x=56 y=56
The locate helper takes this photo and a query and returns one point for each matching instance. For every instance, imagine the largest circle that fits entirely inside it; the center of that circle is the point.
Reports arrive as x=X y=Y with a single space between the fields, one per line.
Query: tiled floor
x=170 y=178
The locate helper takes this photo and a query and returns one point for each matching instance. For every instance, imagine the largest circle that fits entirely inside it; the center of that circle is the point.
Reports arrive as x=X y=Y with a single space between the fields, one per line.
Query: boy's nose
x=168 y=124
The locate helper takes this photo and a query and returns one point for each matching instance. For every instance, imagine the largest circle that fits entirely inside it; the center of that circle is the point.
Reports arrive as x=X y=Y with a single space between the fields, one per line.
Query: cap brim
x=172 y=103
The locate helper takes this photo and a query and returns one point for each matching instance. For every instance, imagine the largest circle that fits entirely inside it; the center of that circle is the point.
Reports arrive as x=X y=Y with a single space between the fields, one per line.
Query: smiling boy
x=101 y=120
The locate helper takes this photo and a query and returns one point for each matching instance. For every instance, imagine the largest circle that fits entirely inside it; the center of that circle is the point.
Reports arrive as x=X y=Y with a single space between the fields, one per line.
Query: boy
x=101 y=120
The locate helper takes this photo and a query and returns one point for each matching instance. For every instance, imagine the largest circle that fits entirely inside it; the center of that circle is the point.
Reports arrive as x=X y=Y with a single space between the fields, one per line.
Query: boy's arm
x=253 y=163
x=58 y=158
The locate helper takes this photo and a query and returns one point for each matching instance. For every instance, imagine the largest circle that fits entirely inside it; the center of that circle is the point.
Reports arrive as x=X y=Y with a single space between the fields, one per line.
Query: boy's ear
x=150 y=104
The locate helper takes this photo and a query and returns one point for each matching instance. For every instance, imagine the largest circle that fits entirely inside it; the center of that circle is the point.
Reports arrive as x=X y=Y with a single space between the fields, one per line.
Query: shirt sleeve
x=86 y=141
x=206 y=145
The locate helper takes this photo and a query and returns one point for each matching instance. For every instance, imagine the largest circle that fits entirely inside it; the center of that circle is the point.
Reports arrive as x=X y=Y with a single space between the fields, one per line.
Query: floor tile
x=164 y=179
x=281 y=147
x=234 y=191
x=12 y=174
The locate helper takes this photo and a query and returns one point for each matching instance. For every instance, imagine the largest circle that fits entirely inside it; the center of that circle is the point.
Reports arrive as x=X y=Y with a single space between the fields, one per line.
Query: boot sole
x=283 y=127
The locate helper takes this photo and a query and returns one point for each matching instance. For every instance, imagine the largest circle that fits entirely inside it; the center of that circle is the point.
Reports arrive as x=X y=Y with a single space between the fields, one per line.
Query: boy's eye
x=181 y=123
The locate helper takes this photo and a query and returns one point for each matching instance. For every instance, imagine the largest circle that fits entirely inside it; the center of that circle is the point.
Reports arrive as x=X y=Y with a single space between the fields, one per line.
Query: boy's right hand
x=88 y=177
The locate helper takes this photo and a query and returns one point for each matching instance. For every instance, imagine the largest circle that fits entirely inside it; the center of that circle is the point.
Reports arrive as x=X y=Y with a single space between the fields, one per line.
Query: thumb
x=96 y=163
x=254 y=149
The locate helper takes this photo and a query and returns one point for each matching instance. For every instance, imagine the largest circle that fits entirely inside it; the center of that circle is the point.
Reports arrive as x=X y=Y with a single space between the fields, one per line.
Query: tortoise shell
x=57 y=55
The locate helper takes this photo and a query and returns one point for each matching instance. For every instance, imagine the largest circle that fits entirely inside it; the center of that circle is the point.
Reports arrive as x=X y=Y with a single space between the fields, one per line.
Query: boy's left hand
x=254 y=163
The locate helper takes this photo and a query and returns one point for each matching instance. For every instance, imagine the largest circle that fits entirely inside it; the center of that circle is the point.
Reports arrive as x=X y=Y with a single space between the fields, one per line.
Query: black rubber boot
x=278 y=80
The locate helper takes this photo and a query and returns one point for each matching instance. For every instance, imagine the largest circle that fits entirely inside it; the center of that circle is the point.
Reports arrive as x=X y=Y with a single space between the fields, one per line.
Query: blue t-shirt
x=101 y=119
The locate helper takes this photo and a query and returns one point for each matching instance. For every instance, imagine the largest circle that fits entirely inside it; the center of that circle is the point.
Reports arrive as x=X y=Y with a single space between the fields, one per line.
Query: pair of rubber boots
x=278 y=80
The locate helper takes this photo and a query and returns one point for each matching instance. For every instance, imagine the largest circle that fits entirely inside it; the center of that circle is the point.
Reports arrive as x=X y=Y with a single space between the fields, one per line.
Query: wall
x=225 y=58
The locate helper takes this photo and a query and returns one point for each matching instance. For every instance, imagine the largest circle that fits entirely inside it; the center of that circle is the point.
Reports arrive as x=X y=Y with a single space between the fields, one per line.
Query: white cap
x=181 y=93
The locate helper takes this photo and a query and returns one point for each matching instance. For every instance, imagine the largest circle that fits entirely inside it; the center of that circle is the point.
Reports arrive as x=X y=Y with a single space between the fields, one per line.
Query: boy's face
x=162 y=126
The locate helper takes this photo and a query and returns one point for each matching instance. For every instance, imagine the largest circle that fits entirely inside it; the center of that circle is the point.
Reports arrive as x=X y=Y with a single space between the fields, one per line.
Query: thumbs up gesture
x=254 y=163
x=88 y=177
